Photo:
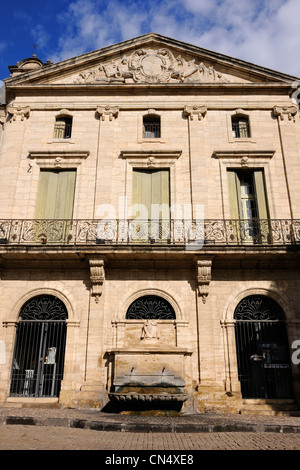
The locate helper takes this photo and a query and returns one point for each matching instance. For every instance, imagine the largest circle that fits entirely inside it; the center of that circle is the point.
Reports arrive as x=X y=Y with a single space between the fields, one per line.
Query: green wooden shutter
x=262 y=206
x=234 y=192
x=55 y=197
x=260 y=194
x=151 y=190
x=65 y=195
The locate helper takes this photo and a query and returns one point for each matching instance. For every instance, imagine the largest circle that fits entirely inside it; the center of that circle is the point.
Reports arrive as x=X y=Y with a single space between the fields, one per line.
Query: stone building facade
x=149 y=231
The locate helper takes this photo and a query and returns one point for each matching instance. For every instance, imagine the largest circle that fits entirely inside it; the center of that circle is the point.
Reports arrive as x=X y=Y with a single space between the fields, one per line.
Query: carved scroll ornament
x=203 y=278
x=289 y=111
x=151 y=66
x=21 y=112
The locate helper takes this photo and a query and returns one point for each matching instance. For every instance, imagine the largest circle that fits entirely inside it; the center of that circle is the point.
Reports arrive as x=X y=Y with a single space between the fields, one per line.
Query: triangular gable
x=150 y=59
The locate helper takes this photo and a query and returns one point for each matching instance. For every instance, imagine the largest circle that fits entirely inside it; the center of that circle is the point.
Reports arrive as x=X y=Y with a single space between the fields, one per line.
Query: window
x=150 y=307
x=63 y=128
x=55 y=194
x=151 y=204
x=248 y=205
x=151 y=126
x=240 y=127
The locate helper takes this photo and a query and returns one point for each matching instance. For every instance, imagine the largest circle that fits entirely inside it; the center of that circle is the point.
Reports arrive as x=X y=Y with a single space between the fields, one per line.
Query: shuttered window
x=55 y=197
x=151 y=190
x=151 y=202
x=248 y=204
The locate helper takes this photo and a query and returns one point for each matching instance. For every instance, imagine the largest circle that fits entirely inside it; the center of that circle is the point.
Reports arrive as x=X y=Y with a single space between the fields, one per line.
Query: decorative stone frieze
x=107 y=111
x=203 y=278
x=97 y=276
x=289 y=111
x=22 y=112
x=151 y=66
x=195 y=111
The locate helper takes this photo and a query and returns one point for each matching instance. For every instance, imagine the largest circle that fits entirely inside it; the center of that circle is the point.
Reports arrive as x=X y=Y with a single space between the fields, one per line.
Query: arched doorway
x=264 y=366
x=38 y=361
x=150 y=307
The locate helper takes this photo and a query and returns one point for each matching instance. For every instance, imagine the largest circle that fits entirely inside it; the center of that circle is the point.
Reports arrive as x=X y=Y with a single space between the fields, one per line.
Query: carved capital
x=281 y=111
x=203 y=277
x=97 y=276
x=110 y=111
x=22 y=112
x=195 y=111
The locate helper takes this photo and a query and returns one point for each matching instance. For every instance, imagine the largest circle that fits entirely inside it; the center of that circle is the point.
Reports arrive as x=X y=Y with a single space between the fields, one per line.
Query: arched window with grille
x=151 y=126
x=38 y=361
x=150 y=307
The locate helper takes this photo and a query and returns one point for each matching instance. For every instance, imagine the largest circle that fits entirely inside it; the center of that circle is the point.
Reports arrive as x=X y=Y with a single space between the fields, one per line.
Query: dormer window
x=151 y=126
x=63 y=127
x=240 y=127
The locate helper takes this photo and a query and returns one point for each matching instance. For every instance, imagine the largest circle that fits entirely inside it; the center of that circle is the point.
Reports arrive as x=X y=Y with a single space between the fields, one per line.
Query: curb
x=147 y=427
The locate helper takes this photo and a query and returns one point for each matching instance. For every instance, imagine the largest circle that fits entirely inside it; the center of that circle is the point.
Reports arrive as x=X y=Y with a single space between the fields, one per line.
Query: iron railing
x=165 y=232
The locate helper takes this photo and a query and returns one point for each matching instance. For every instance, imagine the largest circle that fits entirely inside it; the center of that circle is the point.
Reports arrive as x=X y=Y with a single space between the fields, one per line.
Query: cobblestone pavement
x=19 y=437
x=89 y=429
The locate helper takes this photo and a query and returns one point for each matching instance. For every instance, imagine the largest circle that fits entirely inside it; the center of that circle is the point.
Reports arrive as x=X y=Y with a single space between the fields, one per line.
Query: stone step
x=276 y=407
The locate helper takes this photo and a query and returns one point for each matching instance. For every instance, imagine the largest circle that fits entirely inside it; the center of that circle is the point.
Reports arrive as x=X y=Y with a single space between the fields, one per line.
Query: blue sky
x=264 y=32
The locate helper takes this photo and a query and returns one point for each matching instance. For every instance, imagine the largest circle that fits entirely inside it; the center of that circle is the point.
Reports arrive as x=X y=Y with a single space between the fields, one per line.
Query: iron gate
x=38 y=361
x=264 y=366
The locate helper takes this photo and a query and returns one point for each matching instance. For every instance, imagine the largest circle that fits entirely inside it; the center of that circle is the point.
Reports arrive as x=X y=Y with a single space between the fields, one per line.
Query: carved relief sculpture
x=150 y=330
x=151 y=66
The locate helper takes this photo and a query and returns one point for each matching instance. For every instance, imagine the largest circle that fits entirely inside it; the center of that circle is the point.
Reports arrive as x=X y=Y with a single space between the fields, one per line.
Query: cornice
x=128 y=86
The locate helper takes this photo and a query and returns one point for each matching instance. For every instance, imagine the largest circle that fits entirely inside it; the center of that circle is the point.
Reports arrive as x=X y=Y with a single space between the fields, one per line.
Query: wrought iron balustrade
x=158 y=232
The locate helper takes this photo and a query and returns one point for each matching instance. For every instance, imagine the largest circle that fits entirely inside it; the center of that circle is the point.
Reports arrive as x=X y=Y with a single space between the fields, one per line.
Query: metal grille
x=38 y=361
x=151 y=130
x=262 y=349
x=240 y=128
x=150 y=307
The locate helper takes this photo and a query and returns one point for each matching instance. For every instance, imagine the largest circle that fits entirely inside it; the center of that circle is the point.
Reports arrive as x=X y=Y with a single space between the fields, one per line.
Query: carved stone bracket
x=97 y=276
x=203 y=278
x=290 y=111
x=22 y=112
x=110 y=111
x=195 y=111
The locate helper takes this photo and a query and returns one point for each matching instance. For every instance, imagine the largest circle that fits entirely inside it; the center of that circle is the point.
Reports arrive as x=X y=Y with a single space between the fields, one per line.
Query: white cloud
x=258 y=31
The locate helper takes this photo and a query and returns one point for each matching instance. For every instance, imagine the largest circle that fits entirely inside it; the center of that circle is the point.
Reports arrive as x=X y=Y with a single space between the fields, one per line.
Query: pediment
x=150 y=59
x=149 y=65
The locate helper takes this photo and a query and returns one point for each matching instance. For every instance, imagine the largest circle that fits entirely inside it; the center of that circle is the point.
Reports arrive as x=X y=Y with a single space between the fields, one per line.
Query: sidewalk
x=94 y=419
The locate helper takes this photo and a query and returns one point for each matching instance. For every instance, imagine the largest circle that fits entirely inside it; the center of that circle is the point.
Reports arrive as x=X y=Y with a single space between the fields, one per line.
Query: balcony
x=191 y=234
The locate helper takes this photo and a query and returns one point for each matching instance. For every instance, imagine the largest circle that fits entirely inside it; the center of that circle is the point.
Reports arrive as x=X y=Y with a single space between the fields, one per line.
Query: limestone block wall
x=199 y=178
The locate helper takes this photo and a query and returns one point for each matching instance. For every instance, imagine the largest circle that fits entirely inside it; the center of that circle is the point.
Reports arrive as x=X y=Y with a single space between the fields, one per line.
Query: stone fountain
x=140 y=390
